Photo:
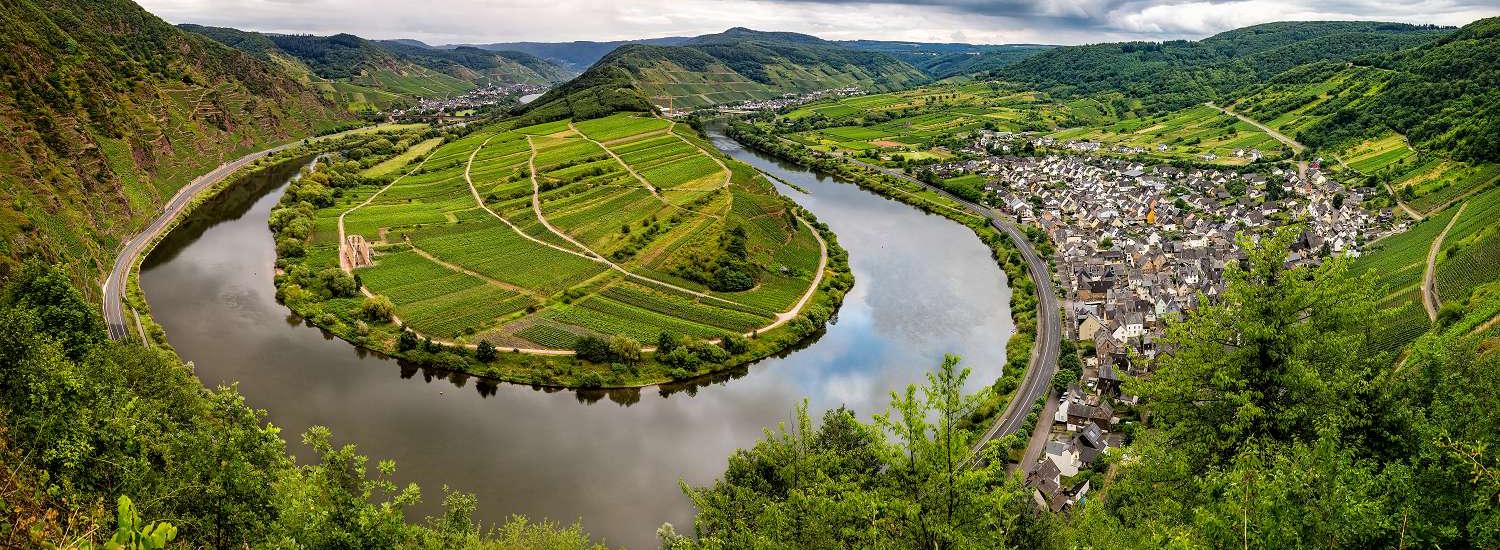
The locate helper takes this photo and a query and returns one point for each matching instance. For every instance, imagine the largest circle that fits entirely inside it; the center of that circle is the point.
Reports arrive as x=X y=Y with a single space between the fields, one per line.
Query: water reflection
x=925 y=287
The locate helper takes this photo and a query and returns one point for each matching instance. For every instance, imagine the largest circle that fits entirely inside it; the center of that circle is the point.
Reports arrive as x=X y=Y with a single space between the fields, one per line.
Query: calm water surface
x=925 y=286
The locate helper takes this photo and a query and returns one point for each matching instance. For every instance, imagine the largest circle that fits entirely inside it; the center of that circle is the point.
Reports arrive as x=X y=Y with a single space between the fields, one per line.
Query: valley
x=749 y=288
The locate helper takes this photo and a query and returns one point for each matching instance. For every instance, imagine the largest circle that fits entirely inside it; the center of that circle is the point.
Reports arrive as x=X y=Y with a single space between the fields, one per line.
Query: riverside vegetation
x=1282 y=418
x=654 y=258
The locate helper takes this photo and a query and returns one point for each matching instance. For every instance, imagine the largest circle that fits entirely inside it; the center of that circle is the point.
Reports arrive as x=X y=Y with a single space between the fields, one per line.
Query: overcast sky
x=976 y=21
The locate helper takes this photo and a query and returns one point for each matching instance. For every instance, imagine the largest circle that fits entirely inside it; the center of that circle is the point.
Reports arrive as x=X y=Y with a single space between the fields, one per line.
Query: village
x=1137 y=244
x=451 y=106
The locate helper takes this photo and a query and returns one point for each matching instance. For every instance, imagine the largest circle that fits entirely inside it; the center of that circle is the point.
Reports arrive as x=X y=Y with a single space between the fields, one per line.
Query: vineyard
x=1470 y=254
x=535 y=237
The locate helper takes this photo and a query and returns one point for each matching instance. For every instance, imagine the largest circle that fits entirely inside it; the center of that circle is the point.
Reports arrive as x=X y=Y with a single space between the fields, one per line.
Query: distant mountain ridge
x=370 y=75
x=577 y=55
x=736 y=65
x=106 y=111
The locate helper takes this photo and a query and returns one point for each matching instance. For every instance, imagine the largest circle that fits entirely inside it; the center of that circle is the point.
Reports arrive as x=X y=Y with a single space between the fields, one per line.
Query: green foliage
x=1276 y=422
x=109 y=111
x=895 y=483
x=1178 y=73
x=378 y=308
x=486 y=352
x=100 y=419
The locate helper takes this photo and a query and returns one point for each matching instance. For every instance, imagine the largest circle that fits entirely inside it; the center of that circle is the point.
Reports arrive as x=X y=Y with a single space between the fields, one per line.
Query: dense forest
x=1443 y=96
x=1178 y=73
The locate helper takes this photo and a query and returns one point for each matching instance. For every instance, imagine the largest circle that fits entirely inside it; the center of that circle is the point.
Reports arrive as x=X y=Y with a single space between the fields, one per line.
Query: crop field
x=1439 y=181
x=400 y=161
x=1377 y=154
x=1397 y=265
x=1189 y=133
x=1470 y=254
x=629 y=207
x=911 y=124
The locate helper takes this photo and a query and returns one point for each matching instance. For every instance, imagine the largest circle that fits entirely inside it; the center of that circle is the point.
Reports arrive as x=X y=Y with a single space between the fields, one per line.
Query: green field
x=919 y=124
x=633 y=210
x=1470 y=254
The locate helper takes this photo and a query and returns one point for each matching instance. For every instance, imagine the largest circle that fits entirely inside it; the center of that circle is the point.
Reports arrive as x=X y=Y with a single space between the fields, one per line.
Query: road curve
x=114 y=285
x=1045 y=351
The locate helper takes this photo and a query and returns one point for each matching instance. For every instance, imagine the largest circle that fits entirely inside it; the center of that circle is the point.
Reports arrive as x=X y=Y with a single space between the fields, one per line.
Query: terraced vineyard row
x=464 y=265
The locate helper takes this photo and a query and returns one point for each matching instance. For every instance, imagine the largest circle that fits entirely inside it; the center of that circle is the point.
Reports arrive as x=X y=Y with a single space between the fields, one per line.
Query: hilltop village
x=1138 y=244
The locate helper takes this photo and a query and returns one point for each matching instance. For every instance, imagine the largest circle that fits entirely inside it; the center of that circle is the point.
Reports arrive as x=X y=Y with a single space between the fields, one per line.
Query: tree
x=666 y=342
x=592 y=349
x=845 y=485
x=625 y=349
x=407 y=341
x=486 y=352
x=378 y=308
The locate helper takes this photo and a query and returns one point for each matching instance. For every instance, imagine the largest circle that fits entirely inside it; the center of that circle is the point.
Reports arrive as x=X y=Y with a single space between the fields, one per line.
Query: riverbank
x=1025 y=305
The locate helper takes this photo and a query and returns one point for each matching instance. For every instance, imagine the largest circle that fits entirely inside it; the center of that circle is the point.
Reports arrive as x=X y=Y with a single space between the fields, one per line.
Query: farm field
x=534 y=237
x=1470 y=254
x=1397 y=265
x=919 y=124
x=1191 y=133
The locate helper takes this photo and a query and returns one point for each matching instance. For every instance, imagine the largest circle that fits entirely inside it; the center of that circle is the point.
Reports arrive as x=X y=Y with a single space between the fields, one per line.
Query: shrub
x=486 y=352
x=592 y=349
x=625 y=349
x=407 y=341
x=378 y=308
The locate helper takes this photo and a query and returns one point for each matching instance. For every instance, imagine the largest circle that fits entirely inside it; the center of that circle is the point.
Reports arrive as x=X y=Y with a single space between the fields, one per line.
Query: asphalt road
x=113 y=287
x=1044 y=353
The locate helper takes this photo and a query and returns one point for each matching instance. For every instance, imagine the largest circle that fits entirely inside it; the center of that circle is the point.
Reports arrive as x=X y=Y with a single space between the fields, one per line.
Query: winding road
x=114 y=285
x=1044 y=352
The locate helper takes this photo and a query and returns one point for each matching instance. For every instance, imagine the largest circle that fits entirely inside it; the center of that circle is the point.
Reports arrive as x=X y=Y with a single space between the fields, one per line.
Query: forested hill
x=367 y=75
x=1178 y=73
x=577 y=55
x=1443 y=95
x=106 y=111
x=736 y=65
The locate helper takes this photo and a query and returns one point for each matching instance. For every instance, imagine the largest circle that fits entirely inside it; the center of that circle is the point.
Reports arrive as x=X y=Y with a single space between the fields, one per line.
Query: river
x=925 y=286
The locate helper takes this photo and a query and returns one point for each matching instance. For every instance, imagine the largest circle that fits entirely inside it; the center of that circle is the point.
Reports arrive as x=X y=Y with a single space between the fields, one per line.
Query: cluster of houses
x=1137 y=245
x=791 y=100
x=488 y=95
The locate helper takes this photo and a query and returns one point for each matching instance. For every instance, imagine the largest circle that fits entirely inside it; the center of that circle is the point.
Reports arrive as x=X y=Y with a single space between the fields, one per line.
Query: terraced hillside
x=537 y=238
x=106 y=111
x=1420 y=120
x=736 y=65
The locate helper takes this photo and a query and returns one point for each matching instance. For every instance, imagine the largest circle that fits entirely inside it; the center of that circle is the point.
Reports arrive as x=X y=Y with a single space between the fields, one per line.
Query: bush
x=624 y=349
x=592 y=349
x=378 y=308
x=736 y=344
x=486 y=352
x=407 y=341
x=337 y=283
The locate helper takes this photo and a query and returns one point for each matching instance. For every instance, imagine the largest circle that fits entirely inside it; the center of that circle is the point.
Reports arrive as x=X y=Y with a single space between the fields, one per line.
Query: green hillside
x=1425 y=120
x=365 y=75
x=106 y=111
x=735 y=65
x=1178 y=73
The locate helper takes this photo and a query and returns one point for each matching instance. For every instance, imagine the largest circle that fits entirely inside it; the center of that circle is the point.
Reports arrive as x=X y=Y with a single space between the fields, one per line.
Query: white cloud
x=986 y=21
